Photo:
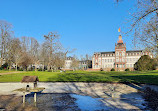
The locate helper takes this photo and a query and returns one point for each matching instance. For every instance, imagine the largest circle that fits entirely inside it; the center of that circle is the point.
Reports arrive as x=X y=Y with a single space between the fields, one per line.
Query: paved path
x=11 y=72
x=125 y=96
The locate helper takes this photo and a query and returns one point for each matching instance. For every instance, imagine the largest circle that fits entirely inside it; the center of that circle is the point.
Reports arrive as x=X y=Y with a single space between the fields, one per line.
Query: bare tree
x=144 y=24
x=34 y=51
x=54 y=45
x=58 y=60
x=44 y=54
x=75 y=63
x=15 y=52
x=5 y=34
x=25 y=60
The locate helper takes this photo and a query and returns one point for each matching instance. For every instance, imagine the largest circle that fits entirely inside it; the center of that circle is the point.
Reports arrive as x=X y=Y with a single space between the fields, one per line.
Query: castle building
x=120 y=59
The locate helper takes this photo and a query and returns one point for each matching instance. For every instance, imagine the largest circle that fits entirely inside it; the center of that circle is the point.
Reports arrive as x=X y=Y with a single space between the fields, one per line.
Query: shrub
x=145 y=63
x=101 y=69
x=20 y=69
x=4 y=66
x=127 y=69
x=49 y=70
x=40 y=69
x=0 y=68
x=112 y=69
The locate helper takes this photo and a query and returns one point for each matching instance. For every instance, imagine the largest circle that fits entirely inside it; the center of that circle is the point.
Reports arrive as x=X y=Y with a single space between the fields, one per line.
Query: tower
x=120 y=55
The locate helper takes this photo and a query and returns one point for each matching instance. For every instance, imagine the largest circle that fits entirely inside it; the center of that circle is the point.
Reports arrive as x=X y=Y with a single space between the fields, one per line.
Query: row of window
x=136 y=53
x=132 y=59
x=112 y=66
x=129 y=65
x=105 y=55
x=120 y=60
x=122 y=54
x=108 y=60
x=67 y=62
x=108 y=66
x=117 y=60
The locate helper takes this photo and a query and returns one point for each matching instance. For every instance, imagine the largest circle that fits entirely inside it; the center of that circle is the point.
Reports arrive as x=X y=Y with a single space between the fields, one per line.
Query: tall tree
x=75 y=63
x=144 y=24
x=34 y=51
x=54 y=45
x=5 y=35
x=15 y=52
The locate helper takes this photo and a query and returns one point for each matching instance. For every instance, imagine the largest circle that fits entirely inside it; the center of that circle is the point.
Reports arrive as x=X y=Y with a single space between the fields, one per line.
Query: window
x=117 y=60
x=117 y=53
x=123 y=53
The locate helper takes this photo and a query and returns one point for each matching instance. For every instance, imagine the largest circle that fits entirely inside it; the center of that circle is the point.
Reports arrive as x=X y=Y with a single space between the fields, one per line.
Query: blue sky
x=87 y=25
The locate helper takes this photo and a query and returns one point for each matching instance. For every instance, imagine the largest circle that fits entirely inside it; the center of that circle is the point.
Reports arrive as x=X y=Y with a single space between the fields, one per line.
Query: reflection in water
x=87 y=103
x=74 y=102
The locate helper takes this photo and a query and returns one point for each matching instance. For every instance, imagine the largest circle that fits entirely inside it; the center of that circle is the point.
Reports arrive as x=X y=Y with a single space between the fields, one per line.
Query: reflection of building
x=85 y=64
x=120 y=59
x=68 y=62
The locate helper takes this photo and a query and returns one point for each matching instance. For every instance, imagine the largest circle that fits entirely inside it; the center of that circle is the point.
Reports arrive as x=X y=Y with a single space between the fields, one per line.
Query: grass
x=149 y=77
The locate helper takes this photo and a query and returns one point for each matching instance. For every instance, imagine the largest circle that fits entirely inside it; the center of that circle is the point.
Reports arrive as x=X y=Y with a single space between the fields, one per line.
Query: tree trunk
x=16 y=66
x=9 y=67
x=1 y=62
x=35 y=67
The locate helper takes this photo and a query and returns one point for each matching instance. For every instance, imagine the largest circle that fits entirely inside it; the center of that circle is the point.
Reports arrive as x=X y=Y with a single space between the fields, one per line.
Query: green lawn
x=150 y=77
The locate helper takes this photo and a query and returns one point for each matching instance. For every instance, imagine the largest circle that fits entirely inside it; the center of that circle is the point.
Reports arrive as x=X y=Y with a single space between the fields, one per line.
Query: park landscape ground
x=139 y=77
x=59 y=87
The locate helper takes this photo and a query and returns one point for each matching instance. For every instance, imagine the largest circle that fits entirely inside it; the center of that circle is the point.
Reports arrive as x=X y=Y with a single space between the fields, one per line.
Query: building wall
x=107 y=63
x=68 y=64
x=120 y=59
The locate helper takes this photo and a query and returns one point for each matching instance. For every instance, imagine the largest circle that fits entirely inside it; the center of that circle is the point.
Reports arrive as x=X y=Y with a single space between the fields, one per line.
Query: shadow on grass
x=123 y=77
x=138 y=79
x=80 y=77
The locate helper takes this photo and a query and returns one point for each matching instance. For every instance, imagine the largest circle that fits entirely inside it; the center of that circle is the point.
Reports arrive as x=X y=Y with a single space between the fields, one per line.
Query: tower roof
x=120 y=39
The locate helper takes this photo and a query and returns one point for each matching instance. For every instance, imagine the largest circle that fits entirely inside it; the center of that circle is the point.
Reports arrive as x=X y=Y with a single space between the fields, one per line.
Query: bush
x=145 y=63
x=20 y=69
x=112 y=69
x=101 y=69
x=49 y=70
x=127 y=69
x=40 y=69
x=4 y=66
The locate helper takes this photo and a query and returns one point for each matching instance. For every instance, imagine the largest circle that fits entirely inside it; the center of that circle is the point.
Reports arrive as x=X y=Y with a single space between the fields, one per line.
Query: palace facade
x=120 y=59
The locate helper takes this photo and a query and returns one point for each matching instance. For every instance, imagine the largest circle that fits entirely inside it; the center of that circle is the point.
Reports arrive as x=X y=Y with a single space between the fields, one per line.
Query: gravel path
x=125 y=96
x=11 y=72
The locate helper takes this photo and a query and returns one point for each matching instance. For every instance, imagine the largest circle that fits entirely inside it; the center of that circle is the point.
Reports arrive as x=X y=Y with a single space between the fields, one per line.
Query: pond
x=87 y=103
x=75 y=102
